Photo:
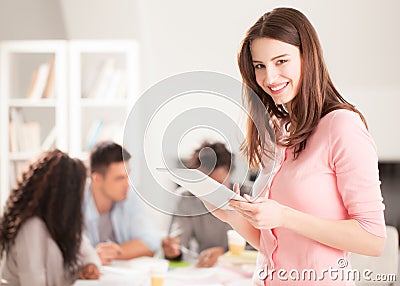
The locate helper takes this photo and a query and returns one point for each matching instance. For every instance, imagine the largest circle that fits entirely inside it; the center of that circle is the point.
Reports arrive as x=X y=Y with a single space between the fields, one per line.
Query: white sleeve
x=87 y=253
x=31 y=253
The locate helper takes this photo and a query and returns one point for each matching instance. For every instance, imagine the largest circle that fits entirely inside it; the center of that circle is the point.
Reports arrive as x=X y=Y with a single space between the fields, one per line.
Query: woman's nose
x=270 y=75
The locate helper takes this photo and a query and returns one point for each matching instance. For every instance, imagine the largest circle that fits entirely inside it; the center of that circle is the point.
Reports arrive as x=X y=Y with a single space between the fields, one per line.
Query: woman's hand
x=238 y=221
x=262 y=213
x=89 y=271
x=209 y=257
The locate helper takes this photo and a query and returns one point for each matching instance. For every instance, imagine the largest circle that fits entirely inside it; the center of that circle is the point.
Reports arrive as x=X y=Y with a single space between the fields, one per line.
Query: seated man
x=115 y=218
x=208 y=231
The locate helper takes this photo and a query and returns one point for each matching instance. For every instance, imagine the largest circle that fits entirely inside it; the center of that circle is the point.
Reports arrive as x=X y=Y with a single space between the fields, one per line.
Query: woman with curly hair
x=41 y=229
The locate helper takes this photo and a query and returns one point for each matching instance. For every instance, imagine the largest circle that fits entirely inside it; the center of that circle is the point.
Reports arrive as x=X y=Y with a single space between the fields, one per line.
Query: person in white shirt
x=116 y=221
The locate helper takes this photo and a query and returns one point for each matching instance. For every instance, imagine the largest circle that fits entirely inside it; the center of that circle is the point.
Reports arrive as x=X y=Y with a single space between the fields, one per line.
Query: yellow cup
x=236 y=243
x=157 y=281
x=236 y=249
x=158 y=271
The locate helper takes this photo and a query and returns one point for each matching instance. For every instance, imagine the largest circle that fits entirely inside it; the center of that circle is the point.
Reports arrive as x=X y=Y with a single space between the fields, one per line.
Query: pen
x=192 y=254
x=175 y=233
x=174 y=229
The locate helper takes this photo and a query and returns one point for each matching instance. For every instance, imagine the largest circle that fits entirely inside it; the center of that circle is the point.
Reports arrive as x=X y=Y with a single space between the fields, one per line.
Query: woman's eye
x=259 y=66
x=279 y=62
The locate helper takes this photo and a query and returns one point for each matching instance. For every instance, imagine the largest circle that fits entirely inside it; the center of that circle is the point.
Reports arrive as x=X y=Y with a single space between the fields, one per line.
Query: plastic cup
x=158 y=272
x=236 y=243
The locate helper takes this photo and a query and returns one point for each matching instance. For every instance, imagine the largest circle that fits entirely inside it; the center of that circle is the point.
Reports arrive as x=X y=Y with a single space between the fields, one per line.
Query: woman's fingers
x=248 y=198
x=89 y=271
x=236 y=188
x=249 y=210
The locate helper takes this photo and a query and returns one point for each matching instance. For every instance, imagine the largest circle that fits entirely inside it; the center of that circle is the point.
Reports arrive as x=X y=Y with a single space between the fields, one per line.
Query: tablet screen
x=202 y=186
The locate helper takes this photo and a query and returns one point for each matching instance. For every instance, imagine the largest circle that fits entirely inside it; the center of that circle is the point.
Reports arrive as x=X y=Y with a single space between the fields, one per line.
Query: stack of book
x=26 y=136
x=109 y=83
x=42 y=83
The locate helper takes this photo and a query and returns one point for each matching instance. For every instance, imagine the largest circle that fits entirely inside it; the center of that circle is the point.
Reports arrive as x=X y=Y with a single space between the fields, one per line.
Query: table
x=135 y=272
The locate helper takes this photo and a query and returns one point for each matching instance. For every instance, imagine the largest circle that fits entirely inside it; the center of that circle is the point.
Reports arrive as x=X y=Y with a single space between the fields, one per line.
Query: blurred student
x=205 y=229
x=41 y=229
x=116 y=221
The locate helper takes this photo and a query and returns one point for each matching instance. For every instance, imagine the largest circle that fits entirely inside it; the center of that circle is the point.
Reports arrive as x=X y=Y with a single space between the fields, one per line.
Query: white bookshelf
x=68 y=114
x=101 y=105
x=32 y=103
x=18 y=62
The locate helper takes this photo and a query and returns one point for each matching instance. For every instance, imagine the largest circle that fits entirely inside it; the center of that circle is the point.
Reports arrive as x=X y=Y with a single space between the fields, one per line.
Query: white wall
x=32 y=19
x=100 y=19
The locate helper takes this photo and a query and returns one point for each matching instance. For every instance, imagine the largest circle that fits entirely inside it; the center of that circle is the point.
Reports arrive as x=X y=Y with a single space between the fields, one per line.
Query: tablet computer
x=202 y=186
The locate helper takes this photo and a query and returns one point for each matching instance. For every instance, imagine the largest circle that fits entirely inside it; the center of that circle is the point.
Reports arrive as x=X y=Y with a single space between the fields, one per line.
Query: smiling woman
x=323 y=199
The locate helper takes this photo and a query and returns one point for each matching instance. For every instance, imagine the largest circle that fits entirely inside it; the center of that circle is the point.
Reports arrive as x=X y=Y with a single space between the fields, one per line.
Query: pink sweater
x=335 y=177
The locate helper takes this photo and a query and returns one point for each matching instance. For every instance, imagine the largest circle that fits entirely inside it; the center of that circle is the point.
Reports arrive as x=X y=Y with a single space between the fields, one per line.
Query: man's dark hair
x=211 y=156
x=104 y=154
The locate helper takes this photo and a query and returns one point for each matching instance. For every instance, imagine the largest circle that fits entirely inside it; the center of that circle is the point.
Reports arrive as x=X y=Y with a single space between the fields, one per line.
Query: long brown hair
x=51 y=189
x=317 y=95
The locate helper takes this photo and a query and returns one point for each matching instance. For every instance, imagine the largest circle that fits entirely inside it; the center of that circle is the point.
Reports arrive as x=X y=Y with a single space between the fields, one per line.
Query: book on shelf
x=93 y=134
x=116 y=86
x=101 y=131
x=31 y=137
x=17 y=168
x=13 y=137
x=32 y=87
x=24 y=136
x=50 y=140
x=109 y=83
x=38 y=82
x=48 y=91
x=42 y=83
x=12 y=176
x=15 y=130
